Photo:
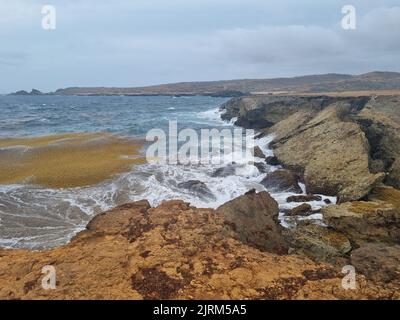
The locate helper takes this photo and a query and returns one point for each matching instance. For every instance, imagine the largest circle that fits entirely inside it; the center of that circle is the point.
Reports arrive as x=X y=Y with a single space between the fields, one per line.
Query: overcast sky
x=143 y=42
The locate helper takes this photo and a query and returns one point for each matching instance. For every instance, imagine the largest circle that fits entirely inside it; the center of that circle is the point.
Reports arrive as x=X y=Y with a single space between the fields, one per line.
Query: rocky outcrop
x=253 y=219
x=378 y=262
x=318 y=242
x=173 y=251
x=302 y=210
x=380 y=120
x=331 y=153
x=282 y=180
x=365 y=221
x=264 y=111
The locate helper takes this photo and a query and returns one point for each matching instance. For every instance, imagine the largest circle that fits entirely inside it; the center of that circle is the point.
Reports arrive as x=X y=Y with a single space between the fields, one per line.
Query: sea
x=36 y=217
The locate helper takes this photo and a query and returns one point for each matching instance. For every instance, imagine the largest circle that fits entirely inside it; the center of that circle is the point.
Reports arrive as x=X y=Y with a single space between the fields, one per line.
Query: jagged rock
x=380 y=120
x=378 y=262
x=262 y=167
x=317 y=242
x=282 y=180
x=265 y=111
x=257 y=152
x=226 y=171
x=253 y=219
x=272 y=161
x=175 y=252
x=332 y=153
x=199 y=188
x=304 y=198
x=301 y=210
x=365 y=221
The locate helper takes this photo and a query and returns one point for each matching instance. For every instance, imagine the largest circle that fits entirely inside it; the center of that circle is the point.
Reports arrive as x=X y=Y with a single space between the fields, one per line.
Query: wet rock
x=262 y=167
x=378 y=262
x=258 y=153
x=304 y=198
x=282 y=180
x=199 y=188
x=272 y=161
x=365 y=221
x=332 y=153
x=228 y=170
x=317 y=242
x=253 y=219
x=301 y=210
x=327 y=201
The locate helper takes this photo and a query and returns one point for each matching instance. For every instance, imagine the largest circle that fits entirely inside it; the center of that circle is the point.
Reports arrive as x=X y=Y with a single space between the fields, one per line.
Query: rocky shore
x=347 y=147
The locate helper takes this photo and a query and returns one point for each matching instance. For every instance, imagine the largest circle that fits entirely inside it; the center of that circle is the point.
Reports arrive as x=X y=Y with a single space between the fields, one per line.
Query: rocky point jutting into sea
x=347 y=147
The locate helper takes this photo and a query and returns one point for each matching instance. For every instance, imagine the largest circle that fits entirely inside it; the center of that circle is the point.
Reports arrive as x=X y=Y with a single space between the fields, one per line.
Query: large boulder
x=365 y=221
x=282 y=180
x=333 y=154
x=317 y=242
x=378 y=262
x=253 y=219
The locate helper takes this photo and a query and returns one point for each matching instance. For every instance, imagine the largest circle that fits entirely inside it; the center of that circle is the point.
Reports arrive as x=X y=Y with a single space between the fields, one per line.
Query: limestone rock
x=332 y=153
x=318 y=242
x=365 y=221
x=253 y=219
x=282 y=180
x=378 y=262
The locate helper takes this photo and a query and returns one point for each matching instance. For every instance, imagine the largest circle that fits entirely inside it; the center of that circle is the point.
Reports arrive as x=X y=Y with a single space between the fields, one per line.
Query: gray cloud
x=128 y=43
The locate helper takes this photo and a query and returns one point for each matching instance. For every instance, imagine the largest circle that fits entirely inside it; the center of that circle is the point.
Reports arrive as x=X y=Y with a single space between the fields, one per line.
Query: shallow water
x=37 y=217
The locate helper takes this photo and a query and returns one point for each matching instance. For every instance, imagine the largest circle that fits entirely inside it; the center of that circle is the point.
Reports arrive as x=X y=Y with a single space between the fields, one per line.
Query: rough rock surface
x=378 y=262
x=380 y=120
x=282 y=180
x=365 y=221
x=317 y=242
x=253 y=219
x=301 y=210
x=304 y=198
x=172 y=251
x=332 y=153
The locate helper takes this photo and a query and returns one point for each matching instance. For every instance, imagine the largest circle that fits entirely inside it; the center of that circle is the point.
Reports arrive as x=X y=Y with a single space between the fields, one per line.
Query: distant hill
x=305 y=84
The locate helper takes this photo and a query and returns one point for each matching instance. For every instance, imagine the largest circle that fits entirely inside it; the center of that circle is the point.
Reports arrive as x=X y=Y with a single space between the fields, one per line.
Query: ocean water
x=37 y=217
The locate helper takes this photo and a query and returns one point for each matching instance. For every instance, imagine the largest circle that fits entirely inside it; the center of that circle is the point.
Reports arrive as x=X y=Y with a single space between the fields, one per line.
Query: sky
x=125 y=43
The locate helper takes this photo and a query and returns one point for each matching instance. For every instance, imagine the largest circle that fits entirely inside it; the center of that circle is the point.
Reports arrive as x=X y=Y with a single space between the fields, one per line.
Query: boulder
x=302 y=210
x=226 y=171
x=198 y=188
x=332 y=153
x=317 y=242
x=257 y=152
x=378 y=262
x=365 y=221
x=282 y=180
x=272 y=160
x=304 y=198
x=253 y=219
x=262 y=167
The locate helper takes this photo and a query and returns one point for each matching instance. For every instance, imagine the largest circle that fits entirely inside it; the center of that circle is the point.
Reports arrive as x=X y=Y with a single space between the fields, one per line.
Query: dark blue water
x=133 y=116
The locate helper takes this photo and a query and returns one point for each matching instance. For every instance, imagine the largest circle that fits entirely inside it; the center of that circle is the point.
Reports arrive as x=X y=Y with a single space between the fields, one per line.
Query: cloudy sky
x=143 y=42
